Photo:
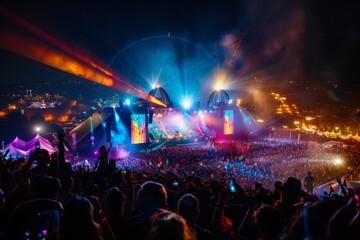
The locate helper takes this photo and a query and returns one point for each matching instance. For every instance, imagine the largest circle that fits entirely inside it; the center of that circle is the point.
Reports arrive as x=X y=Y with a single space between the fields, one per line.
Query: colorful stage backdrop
x=138 y=128
x=228 y=122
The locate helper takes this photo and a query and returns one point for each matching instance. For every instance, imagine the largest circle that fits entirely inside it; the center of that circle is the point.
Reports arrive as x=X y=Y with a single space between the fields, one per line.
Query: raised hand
x=61 y=135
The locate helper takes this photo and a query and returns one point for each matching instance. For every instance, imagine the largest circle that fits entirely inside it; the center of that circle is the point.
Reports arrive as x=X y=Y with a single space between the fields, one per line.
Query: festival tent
x=320 y=190
x=20 y=148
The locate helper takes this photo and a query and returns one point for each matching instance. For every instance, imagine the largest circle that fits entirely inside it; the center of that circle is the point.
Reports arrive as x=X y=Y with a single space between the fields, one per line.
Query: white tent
x=20 y=148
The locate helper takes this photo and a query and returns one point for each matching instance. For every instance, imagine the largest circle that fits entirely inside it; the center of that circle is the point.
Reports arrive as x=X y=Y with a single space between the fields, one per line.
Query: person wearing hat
x=290 y=194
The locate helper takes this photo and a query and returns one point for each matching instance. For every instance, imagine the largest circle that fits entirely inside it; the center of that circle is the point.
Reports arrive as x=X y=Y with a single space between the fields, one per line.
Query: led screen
x=138 y=128
x=228 y=122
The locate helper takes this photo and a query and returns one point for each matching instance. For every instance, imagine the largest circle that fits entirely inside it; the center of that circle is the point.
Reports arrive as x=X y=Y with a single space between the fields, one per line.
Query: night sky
x=306 y=42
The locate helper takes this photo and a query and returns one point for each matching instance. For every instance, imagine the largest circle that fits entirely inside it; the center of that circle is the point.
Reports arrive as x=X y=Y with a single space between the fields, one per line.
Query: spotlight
x=127 y=102
x=186 y=104
x=218 y=87
x=338 y=161
x=230 y=101
x=37 y=129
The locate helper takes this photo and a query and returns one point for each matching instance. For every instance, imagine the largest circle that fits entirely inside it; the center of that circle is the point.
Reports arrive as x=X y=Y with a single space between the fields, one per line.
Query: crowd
x=249 y=163
x=237 y=191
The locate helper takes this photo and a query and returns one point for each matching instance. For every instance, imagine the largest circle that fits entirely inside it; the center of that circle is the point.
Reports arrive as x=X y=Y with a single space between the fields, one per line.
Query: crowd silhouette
x=185 y=193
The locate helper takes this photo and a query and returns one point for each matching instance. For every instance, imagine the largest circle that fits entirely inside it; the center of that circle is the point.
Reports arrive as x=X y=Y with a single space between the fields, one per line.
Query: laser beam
x=63 y=57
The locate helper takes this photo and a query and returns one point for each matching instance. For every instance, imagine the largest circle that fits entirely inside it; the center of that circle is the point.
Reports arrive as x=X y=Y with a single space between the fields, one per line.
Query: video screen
x=228 y=122
x=138 y=128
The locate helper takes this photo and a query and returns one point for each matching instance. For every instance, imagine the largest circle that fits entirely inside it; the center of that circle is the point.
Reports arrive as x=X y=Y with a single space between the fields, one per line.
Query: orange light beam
x=40 y=33
x=156 y=101
x=38 y=52
x=41 y=53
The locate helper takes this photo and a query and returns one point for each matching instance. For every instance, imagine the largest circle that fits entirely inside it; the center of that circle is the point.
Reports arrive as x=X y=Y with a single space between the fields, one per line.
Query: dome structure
x=160 y=94
x=218 y=98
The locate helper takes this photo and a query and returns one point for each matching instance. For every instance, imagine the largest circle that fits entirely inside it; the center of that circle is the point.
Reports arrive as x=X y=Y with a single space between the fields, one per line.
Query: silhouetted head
x=47 y=187
x=292 y=186
x=168 y=225
x=188 y=207
x=151 y=197
x=317 y=216
x=116 y=200
x=269 y=221
x=78 y=220
x=102 y=149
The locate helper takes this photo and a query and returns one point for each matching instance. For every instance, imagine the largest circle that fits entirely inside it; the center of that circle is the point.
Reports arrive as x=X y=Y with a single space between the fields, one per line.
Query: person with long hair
x=78 y=221
x=168 y=225
x=103 y=161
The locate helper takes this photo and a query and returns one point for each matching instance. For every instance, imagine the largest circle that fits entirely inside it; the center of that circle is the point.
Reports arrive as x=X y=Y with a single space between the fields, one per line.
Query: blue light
x=127 y=102
x=230 y=101
x=117 y=118
x=186 y=104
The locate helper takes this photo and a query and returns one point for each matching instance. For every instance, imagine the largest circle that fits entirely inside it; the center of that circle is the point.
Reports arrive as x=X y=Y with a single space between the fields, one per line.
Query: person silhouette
x=102 y=162
x=309 y=183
